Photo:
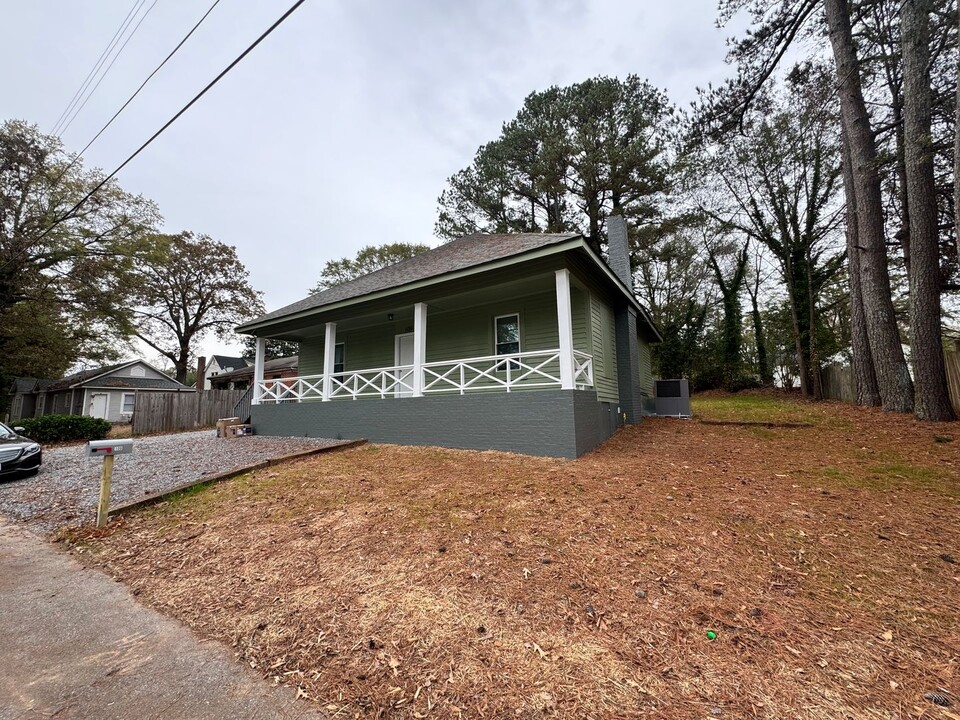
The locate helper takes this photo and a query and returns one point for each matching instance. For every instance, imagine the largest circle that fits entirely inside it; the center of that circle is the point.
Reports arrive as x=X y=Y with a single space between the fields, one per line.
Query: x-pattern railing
x=291 y=389
x=582 y=369
x=382 y=382
x=526 y=370
x=493 y=372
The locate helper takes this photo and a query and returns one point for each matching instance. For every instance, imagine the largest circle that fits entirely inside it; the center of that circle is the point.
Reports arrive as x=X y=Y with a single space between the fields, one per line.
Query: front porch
x=539 y=335
x=526 y=363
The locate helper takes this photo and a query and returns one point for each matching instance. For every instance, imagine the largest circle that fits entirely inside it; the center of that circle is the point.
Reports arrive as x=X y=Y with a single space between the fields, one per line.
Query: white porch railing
x=582 y=369
x=526 y=370
x=517 y=371
x=394 y=381
x=291 y=389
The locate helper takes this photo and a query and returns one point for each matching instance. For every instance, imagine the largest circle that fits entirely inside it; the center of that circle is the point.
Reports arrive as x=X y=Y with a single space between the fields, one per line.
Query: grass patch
x=835 y=473
x=750 y=407
x=754 y=408
x=892 y=475
x=900 y=475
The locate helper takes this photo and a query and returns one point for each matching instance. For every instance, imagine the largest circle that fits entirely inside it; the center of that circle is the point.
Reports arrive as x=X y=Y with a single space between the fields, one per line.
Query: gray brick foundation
x=552 y=423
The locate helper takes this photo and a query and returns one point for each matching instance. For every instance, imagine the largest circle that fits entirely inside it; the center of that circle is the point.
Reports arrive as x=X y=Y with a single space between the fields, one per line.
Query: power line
x=142 y=85
x=96 y=66
x=236 y=61
x=106 y=72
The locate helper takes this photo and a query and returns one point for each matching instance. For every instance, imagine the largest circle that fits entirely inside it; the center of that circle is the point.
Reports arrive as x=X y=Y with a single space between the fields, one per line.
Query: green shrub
x=64 y=428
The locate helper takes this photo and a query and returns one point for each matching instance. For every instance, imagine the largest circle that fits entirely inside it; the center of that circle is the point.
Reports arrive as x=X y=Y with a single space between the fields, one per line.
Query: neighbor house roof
x=138 y=383
x=96 y=378
x=230 y=363
x=84 y=375
x=284 y=363
x=460 y=254
x=23 y=385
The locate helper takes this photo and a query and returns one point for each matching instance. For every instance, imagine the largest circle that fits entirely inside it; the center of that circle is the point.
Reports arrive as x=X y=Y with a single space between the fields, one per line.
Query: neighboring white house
x=108 y=392
x=219 y=364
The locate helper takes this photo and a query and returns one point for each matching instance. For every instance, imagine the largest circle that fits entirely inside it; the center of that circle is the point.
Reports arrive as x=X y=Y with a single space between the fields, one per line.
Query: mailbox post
x=107 y=449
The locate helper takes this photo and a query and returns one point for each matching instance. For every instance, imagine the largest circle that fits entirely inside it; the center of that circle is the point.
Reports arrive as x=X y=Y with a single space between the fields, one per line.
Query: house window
x=338 y=358
x=507 y=332
x=128 y=401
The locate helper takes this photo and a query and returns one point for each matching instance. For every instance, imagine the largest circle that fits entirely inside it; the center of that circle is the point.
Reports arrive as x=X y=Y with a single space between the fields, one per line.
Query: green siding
x=469 y=332
x=450 y=335
x=603 y=337
x=580 y=302
x=646 y=367
x=311 y=357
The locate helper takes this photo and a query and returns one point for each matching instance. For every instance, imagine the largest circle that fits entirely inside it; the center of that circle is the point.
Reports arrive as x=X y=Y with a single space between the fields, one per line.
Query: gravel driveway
x=66 y=489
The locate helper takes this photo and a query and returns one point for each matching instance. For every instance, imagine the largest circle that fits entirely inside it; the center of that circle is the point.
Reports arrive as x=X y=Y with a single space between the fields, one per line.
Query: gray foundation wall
x=551 y=423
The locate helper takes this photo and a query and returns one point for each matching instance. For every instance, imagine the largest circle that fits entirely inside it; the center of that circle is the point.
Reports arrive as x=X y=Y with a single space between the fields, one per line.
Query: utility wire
x=97 y=65
x=67 y=215
x=137 y=92
x=107 y=71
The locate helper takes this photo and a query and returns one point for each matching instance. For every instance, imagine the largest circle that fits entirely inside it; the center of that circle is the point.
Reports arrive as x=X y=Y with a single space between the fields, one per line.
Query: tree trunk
x=181 y=364
x=956 y=158
x=763 y=358
x=812 y=335
x=865 y=377
x=929 y=370
x=803 y=367
x=893 y=376
x=904 y=234
x=731 y=326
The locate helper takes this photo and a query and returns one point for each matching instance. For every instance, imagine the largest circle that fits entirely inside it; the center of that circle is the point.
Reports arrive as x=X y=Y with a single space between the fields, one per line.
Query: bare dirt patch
x=417 y=582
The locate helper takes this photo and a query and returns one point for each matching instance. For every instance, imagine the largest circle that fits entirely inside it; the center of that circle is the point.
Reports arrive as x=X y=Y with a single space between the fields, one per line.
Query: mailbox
x=101 y=448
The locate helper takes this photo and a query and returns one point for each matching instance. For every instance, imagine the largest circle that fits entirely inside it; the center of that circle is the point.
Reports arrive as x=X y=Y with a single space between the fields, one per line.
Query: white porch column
x=329 y=355
x=258 y=368
x=419 y=346
x=565 y=326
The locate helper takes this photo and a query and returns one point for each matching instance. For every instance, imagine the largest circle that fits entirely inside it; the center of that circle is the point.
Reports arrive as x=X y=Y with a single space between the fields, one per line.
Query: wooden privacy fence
x=838 y=382
x=156 y=412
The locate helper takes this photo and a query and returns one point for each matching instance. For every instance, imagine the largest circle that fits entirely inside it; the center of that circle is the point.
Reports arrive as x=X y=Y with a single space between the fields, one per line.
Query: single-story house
x=108 y=392
x=521 y=342
x=219 y=364
x=285 y=367
x=23 y=400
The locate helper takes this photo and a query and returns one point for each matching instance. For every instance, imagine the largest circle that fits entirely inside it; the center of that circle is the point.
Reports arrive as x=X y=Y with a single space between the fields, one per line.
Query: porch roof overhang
x=356 y=293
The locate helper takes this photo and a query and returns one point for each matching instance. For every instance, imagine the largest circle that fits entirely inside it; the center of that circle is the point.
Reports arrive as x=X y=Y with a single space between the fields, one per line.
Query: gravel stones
x=66 y=489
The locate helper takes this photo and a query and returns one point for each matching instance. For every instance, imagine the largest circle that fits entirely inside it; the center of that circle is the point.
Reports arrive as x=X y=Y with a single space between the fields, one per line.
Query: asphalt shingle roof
x=120 y=382
x=137 y=383
x=23 y=384
x=284 y=363
x=83 y=375
x=231 y=363
x=466 y=252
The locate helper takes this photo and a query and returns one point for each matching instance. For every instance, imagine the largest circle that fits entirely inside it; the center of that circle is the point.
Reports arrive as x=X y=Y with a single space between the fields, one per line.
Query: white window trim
x=519 y=332
x=343 y=354
x=123 y=403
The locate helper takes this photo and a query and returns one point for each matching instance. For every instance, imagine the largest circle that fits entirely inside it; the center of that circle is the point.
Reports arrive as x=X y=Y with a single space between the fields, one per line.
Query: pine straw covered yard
x=416 y=582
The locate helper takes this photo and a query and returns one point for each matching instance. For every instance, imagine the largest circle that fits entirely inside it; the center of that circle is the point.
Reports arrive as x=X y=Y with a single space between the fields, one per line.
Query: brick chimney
x=628 y=349
x=201 y=371
x=618 y=249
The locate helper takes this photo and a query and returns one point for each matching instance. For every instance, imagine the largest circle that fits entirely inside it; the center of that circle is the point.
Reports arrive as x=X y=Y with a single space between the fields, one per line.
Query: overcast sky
x=339 y=130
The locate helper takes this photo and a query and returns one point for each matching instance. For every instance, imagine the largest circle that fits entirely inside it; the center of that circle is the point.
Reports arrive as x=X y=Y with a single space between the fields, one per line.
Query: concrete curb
x=156 y=497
